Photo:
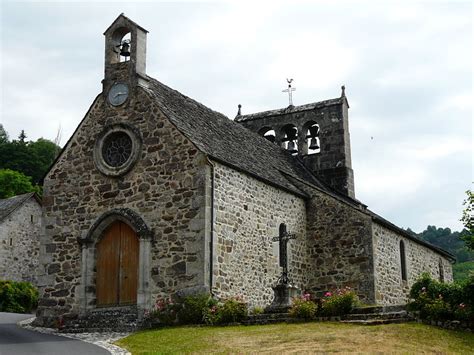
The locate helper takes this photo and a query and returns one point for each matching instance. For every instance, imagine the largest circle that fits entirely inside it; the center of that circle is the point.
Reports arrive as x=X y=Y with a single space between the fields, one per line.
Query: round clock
x=118 y=94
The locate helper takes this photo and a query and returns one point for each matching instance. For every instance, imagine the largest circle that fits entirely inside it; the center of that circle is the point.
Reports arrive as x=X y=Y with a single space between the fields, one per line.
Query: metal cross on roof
x=289 y=91
x=283 y=238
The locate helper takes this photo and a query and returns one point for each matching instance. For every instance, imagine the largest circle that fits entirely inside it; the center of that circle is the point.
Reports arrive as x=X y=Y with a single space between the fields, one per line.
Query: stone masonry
x=389 y=286
x=166 y=187
x=248 y=215
x=19 y=242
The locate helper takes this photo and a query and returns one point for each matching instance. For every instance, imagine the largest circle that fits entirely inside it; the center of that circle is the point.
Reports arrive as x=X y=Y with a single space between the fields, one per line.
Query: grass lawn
x=408 y=338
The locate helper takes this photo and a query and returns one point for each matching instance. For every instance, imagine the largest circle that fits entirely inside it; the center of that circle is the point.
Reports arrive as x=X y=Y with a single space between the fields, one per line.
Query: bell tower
x=125 y=53
x=316 y=133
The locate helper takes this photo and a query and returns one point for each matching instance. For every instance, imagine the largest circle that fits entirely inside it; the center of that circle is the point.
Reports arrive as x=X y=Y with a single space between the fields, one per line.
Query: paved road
x=15 y=340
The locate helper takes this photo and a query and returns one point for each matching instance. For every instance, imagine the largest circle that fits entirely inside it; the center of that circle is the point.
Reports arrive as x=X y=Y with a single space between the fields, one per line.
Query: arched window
x=313 y=144
x=290 y=138
x=403 y=263
x=268 y=133
x=120 y=46
x=441 y=270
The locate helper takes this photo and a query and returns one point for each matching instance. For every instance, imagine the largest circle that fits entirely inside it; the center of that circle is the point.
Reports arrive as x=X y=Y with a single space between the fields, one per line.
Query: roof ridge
x=11 y=204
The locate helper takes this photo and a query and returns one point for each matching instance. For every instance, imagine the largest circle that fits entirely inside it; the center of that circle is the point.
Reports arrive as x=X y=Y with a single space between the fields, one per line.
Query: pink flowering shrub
x=436 y=300
x=338 y=302
x=197 y=309
x=303 y=307
x=164 y=311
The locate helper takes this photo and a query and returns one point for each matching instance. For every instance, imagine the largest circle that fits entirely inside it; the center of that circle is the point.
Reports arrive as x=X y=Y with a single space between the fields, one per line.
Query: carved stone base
x=282 y=300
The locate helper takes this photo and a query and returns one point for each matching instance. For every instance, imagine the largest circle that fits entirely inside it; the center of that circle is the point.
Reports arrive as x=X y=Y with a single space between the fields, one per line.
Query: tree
x=30 y=158
x=14 y=183
x=3 y=135
x=22 y=136
x=468 y=220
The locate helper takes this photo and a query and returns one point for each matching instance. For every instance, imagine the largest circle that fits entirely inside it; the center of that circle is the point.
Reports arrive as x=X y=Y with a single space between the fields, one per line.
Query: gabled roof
x=229 y=142
x=290 y=109
x=123 y=17
x=9 y=205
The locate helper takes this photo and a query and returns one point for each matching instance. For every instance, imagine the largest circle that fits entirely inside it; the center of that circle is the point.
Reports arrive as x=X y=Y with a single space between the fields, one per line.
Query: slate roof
x=290 y=109
x=232 y=144
x=229 y=142
x=9 y=205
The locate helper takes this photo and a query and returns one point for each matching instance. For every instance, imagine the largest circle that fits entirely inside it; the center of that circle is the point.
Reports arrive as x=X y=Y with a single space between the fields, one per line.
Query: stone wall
x=340 y=246
x=389 y=286
x=248 y=213
x=166 y=188
x=19 y=243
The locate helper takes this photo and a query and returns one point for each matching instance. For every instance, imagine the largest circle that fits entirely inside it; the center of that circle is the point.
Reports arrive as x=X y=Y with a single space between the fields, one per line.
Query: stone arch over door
x=90 y=243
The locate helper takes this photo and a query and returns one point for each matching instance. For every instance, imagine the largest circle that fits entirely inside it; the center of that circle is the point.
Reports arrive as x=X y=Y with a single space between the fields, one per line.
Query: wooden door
x=117 y=266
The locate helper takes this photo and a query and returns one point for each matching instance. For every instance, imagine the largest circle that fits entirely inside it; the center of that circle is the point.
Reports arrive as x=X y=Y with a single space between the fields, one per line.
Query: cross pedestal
x=282 y=300
x=283 y=291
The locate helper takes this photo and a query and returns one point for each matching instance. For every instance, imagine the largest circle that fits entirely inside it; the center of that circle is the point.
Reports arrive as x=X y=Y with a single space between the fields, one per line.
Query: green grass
x=408 y=338
x=461 y=270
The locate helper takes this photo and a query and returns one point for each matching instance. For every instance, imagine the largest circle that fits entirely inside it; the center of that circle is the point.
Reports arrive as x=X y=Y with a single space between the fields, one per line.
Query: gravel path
x=103 y=339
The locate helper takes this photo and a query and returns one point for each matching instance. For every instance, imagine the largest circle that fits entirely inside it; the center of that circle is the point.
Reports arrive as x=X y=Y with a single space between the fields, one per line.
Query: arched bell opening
x=312 y=144
x=290 y=138
x=122 y=45
x=268 y=133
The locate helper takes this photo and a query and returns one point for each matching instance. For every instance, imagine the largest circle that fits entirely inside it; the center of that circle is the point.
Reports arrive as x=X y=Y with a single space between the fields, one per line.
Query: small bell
x=125 y=49
x=314 y=131
x=291 y=133
x=314 y=144
x=292 y=147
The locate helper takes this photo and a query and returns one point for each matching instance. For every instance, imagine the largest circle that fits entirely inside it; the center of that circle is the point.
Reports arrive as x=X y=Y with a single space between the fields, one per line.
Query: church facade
x=156 y=195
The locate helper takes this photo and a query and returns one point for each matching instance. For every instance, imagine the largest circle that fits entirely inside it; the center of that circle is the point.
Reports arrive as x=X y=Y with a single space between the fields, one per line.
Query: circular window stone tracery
x=117 y=149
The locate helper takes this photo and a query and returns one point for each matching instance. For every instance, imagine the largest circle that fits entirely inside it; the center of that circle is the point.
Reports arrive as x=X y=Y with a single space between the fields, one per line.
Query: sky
x=407 y=68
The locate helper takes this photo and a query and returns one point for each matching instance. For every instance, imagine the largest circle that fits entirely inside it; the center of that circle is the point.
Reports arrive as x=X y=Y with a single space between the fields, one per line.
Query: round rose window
x=117 y=149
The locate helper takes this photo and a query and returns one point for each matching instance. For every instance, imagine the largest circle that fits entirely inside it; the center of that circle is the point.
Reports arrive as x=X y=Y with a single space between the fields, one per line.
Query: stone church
x=156 y=195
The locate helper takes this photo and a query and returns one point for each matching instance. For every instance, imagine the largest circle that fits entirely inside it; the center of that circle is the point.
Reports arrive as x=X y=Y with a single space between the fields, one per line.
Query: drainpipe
x=211 y=241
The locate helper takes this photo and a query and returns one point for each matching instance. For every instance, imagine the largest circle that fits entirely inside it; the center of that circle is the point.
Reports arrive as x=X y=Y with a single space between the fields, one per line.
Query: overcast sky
x=407 y=68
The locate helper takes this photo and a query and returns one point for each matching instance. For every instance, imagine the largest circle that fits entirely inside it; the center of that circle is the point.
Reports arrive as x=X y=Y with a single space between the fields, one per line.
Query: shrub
x=231 y=310
x=338 y=302
x=17 y=297
x=257 y=310
x=435 y=300
x=165 y=312
x=303 y=307
x=194 y=309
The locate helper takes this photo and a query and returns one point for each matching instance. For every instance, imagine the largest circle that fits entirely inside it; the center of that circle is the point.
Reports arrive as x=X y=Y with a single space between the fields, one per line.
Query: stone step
x=377 y=321
x=367 y=316
x=379 y=309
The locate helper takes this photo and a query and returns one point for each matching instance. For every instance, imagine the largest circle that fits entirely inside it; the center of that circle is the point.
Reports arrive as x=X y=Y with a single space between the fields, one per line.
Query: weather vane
x=289 y=91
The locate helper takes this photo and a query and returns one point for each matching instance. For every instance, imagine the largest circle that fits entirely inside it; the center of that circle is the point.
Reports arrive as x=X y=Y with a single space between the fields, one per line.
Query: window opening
x=312 y=139
x=441 y=271
x=403 y=261
x=268 y=133
x=290 y=139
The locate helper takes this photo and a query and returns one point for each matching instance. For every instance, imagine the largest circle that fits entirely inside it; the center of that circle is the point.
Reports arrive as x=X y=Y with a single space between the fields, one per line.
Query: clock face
x=118 y=94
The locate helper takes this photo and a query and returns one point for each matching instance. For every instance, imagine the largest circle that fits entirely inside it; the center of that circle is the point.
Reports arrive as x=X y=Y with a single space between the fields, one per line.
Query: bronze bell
x=125 y=49
x=314 y=143
x=292 y=132
x=292 y=147
x=313 y=131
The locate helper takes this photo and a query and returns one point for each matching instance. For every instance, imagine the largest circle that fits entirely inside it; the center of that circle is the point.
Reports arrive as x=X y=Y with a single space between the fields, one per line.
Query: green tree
x=468 y=220
x=22 y=136
x=14 y=183
x=3 y=135
x=31 y=158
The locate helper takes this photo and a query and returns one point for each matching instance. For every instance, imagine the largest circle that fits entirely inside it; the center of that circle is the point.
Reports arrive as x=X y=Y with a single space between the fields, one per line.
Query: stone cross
x=289 y=91
x=283 y=238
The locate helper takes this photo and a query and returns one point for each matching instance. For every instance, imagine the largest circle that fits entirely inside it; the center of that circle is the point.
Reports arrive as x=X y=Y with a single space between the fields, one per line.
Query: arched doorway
x=117 y=266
